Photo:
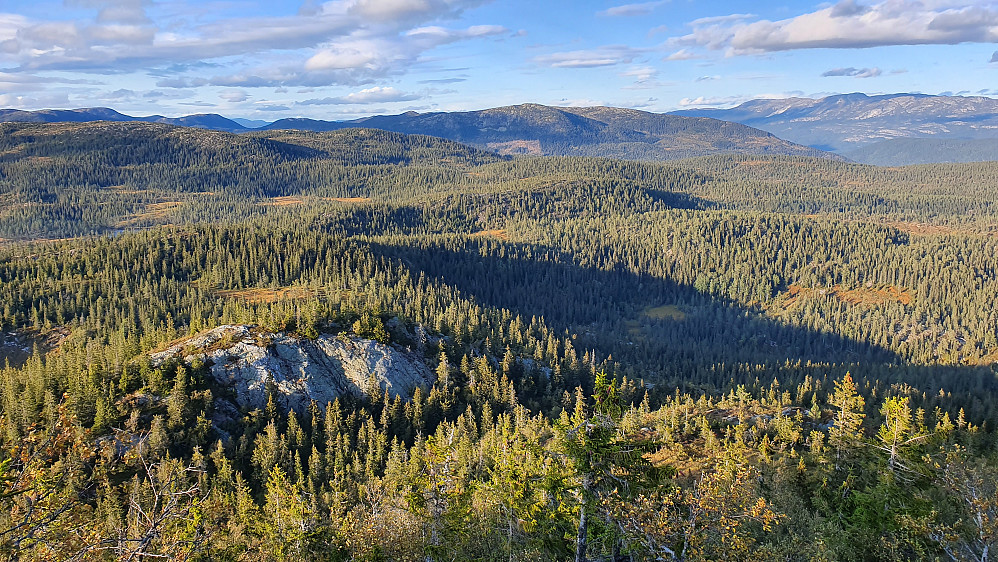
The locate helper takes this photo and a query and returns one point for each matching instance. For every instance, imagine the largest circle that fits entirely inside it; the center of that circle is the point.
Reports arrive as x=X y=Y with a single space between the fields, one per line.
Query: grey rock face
x=248 y=361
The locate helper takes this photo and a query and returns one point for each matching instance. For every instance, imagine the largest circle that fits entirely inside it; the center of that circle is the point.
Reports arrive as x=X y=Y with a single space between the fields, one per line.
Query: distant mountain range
x=845 y=123
x=904 y=152
x=520 y=129
x=203 y=120
x=869 y=129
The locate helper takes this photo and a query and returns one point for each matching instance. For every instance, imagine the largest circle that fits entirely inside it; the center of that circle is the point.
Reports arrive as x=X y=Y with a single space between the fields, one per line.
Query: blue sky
x=343 y=59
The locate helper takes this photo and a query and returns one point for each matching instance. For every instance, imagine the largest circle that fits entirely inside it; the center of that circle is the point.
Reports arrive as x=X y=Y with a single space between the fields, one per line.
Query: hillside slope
x=90 y=114
x=566 y=131
x=846 y=122
x=904 y=152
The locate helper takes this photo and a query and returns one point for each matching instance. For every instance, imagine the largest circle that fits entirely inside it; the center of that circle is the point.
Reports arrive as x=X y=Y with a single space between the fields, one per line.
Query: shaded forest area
x=721 y=358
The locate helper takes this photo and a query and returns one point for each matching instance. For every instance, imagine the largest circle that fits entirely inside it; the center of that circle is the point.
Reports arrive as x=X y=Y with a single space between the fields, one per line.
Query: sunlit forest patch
x=866 y=296
x=500 y=234
x=284 y=201
x=268 y=295
x=634 y=341
x=152 y=213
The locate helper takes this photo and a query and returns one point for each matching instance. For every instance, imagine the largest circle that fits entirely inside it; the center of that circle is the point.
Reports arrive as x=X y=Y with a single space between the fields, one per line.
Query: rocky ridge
x=252 y=363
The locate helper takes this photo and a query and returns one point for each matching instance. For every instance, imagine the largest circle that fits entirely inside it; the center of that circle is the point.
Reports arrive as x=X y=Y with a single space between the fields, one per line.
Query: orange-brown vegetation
x=152 y=212
x=283 y=201
x=867 y=296
x=500 y=234
x=348 y=199
x=267 y=295
x=921 y=228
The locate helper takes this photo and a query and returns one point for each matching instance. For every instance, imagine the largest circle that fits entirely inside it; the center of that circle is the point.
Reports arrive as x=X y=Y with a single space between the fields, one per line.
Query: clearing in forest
x=665 y=312
x=153 y=212
x=921 y=228
x=17 y=346
x=348 y=199
x=500 y=234
x=283 y=201
x=268 y=295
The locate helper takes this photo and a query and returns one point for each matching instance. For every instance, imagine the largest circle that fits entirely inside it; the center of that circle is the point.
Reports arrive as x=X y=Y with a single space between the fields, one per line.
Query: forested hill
x=65 y=179
x=848 y=122
x=567 y=131
x=90 y=114
x=909 y=151
x=521 y=129
x=728 y=357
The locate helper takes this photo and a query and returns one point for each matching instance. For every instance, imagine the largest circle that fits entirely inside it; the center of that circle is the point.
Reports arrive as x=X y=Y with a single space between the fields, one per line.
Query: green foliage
x=659 y=360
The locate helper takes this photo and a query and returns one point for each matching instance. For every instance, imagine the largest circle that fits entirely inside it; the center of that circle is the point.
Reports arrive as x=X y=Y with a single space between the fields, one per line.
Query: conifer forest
x=728 y=357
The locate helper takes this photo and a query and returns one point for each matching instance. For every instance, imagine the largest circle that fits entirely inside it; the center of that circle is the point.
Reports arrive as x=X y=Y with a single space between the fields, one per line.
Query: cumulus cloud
x=376 y=94
x=847 y=8
x=350 y=41
x=854 y=72
x=637 y=9
x=849 y=24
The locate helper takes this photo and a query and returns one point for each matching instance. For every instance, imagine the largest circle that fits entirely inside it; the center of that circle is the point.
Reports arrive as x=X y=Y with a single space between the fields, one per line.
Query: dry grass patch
x=866 y=296
x=267 y=295
x=921 y=228
x=153 y=212
x=283 y=201
x=348 y=199
x=500 y=234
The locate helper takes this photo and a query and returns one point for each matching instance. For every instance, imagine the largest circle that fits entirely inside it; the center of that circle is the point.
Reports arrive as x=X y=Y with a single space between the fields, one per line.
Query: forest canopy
x=721 y=358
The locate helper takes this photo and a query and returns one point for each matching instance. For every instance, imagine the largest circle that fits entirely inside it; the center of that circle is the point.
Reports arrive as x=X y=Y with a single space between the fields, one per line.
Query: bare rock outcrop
x=297 y=370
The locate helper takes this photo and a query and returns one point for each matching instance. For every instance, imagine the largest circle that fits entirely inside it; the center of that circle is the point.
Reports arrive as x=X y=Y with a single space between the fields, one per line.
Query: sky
x=344 y=59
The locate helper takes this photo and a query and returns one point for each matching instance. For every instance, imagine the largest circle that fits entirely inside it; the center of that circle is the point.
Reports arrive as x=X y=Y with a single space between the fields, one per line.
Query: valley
x=335 y=317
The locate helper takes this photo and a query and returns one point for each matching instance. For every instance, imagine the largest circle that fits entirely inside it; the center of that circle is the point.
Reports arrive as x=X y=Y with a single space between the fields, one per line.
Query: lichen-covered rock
x=298 y=370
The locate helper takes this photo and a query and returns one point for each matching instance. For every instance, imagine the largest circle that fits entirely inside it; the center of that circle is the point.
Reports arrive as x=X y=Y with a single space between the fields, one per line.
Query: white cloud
x=17 y=101
x=641 y=73
x=351 y=41
x=234 y=96
x=376 y=94
x=628 y=10
x=723 y=101
x=683 y=54
x=848 y=24
x=408 y=10
x=854 y=72
x=590 y=58
x=713 y=20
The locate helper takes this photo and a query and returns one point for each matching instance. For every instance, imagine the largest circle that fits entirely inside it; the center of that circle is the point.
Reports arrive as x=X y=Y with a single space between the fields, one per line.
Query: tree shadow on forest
x=630 y=315
x=673 y=334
